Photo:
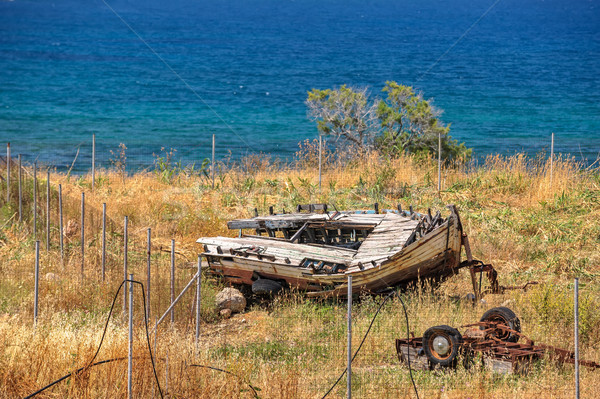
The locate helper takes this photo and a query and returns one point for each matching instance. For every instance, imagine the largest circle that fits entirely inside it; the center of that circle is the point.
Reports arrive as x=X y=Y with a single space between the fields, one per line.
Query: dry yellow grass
x=528 y=227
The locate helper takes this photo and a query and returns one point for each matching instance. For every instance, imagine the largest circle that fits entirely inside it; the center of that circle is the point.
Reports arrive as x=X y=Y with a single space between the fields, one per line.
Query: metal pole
x=320 y=158
x=20 y=191
x=47 y=210
x=172 y=278
x=82 y=232
x=439 y=162
x=103 y=241
x=93 y=160
x=198 y=291
x=576 y=337
x=212 y=165
x=7 y=173
x=125 y=223
x=130 y=349
x=551 y=158
x=35 y=200
x=148 y=280
x=37 y=283
x=60 y=223
x=349 y=361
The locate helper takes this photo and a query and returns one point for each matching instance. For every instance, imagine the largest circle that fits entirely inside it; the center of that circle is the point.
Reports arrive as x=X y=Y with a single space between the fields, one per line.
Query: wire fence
x=302 y=342
x=80 y=242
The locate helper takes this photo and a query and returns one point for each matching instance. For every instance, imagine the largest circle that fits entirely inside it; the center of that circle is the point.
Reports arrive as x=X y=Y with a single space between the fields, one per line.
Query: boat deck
x=313 y=240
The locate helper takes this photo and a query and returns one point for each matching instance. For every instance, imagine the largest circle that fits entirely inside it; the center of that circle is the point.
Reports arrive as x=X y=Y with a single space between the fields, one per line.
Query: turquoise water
x=73 y=68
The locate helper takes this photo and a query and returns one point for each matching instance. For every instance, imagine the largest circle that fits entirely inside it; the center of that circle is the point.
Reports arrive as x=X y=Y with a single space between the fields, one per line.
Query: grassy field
x=529 y=227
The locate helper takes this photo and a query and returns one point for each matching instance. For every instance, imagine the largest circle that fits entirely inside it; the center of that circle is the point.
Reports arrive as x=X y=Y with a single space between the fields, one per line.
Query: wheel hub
x=441 y=345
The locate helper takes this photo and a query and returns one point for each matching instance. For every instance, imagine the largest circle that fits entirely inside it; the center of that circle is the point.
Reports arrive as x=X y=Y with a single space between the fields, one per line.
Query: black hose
x=74 y=372
x=365 y=337
x=91 y=363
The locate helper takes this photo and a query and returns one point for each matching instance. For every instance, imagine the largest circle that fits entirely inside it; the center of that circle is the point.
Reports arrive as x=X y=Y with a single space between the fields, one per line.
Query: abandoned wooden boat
x=315 y=250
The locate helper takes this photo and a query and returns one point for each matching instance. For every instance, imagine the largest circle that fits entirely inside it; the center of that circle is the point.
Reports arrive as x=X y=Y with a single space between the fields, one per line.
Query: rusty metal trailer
x=495 y=337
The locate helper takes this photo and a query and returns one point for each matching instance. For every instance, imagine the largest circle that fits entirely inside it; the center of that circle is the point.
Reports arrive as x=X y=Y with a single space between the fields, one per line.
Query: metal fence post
x=349 y=360
x=320 y=158
x=172 y=278
x=198 y=292
x=82 y=233
x=35 y=200
x=7 y=173
x=576 y=310
x=37 y=283
x=130 y=346
x=212 y=165
x=148 y=280
x=551 y=158
x=20 y=190
x=103 y=241
x=93 y=160
x=439 y=162
x=125 y=223
x=60 y=223
x=47 y=210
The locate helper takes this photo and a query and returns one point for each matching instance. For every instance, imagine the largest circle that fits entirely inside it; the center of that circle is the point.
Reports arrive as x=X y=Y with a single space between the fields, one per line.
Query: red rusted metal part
x=477 y=266
x=483 y=339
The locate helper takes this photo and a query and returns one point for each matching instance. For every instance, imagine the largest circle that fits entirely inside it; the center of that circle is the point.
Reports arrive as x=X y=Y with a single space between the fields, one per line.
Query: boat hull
x=435 y=255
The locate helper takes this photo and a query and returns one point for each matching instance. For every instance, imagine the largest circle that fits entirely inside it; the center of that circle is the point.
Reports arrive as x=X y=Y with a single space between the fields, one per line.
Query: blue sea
x=153 y=74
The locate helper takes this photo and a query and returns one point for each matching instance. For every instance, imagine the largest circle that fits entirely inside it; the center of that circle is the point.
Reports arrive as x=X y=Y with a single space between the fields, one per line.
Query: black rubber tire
x=507 y=317
x=264 y=286
x=454 y=339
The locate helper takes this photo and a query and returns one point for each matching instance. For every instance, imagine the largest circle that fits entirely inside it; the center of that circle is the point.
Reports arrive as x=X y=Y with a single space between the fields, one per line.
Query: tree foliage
x=402 y=121
x=345 y=113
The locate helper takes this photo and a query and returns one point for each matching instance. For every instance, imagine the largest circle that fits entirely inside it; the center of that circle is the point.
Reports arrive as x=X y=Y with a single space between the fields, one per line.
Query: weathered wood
x=298 y=234
x=498 y=365
x=381 y=260
x=417 y=362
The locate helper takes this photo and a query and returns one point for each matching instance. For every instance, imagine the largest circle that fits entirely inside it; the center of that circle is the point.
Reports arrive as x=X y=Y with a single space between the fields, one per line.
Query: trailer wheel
x=442 y=345
x=264 y=286
x=503 y=315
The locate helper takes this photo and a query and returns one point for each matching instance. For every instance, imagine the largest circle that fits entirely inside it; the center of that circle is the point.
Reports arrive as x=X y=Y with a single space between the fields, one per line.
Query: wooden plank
x=243 y=224
x=312 y=251
x=417 y=362
x=297 y=235
x=499 y=366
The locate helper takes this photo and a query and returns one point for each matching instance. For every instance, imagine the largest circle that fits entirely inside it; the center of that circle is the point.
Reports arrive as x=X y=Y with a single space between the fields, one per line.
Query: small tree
x=411 y=124
x=401 y=122
x=344 y=113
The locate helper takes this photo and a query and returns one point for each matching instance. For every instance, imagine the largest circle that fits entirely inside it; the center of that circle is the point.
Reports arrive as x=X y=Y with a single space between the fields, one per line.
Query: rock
x=51 y=276
x=232 y=299
x=225 y=313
